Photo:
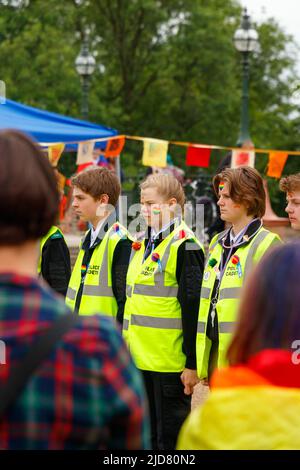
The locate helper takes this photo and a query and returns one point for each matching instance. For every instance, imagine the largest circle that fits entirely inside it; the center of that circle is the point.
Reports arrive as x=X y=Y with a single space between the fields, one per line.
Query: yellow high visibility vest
x=229 y=293
x=97 y=294
x=53 y=230
x=152 y=318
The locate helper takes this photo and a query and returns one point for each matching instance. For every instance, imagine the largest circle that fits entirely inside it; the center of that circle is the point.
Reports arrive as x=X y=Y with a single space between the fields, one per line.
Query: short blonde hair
x=290 y=183
x=167 y=186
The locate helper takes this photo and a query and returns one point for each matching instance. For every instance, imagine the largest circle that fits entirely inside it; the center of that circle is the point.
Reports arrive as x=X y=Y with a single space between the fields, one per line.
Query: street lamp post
x=85 y=66
x=245 y=40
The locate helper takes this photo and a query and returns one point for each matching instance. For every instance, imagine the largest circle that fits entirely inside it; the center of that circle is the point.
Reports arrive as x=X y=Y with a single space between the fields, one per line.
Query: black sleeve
x=119 y=272
x=189 y=272
x=56 y=264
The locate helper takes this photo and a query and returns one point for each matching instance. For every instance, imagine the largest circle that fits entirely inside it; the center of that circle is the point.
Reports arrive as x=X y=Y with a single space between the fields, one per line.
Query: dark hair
x=245 y=187
x=269 y=312
x=28 y=190
x=98 y=181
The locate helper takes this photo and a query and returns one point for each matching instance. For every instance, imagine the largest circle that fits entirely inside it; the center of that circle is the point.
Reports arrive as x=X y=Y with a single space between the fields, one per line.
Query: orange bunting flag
x=85 y=152
x=54 y=153
x=198 y=156
x=155 y=152
x=242 y=157
x=114 y=147
x=276 y=163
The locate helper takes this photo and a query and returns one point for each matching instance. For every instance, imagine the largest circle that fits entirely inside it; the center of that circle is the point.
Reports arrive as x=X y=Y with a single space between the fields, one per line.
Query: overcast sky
x=285 y=12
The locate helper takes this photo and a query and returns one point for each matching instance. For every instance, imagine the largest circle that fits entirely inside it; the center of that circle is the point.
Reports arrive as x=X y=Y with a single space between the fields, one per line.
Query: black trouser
x=168 y=406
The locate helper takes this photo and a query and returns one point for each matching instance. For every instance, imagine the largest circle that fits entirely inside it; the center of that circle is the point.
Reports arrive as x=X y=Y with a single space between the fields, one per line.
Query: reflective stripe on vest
x=253 y=249
x=156 y=291
x=156 y=322
x=224 y=326
x=102 y=289
x=71 y=293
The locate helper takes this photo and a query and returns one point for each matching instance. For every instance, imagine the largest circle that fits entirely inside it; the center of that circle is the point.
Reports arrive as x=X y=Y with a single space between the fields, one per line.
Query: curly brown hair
x=290 y=183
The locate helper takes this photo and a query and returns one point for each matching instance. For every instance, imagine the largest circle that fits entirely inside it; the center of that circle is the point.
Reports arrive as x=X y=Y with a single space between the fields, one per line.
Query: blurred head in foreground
x=28 y=190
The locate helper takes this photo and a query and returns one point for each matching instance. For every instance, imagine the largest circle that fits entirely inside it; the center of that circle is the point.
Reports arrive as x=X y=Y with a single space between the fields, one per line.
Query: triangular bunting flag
x=155 y=152
x=54 y=153
x=198 y=156
x=242 y=157
x=276 y=163
x=85 y=152
x=114 y=147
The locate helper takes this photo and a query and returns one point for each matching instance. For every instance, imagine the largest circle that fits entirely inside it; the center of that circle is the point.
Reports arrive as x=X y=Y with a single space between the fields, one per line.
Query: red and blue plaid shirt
x=86 y=395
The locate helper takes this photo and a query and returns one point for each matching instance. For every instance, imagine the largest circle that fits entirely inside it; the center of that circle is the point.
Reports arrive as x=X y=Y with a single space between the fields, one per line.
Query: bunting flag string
x=197 y=154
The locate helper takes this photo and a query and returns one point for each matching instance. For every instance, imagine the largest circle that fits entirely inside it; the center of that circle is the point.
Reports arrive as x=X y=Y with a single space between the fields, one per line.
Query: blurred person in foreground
x=291 y=186
x=72 y=400
x=255 y=402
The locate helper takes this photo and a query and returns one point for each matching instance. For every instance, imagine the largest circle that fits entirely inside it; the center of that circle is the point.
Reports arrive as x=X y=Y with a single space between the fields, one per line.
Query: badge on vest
x=156 y=258
x=236 y=262
x=206 y=275
x=212 y=262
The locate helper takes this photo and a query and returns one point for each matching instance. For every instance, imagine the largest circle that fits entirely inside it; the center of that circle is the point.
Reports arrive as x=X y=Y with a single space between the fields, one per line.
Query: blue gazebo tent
x=47 y=127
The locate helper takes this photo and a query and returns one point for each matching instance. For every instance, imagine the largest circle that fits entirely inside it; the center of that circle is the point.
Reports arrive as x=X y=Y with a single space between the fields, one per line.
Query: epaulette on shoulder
x=56 y=235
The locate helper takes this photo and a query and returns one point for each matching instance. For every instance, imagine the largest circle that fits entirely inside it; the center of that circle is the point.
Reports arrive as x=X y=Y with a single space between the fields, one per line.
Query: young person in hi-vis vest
x=98 y=280
x=160 y=318
x=232 y=254
x=54 y=262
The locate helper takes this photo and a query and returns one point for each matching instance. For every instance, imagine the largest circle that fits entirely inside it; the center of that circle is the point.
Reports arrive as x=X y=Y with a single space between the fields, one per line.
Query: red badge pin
x=235 y=259
x=136 y=245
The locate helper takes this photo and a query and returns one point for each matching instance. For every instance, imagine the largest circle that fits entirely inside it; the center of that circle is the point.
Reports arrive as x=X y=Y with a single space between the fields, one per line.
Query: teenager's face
x=84 y=205
x=293 y=208
x=231 y=211
x=156 y=209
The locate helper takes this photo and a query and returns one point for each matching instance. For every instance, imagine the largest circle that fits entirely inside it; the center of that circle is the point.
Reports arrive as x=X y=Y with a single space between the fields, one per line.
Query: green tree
x=165 y=68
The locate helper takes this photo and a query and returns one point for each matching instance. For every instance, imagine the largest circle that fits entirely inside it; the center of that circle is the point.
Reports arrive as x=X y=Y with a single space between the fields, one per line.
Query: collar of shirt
x=234 y=238
x=155 y=235
x=95 y=232
x=228 y=239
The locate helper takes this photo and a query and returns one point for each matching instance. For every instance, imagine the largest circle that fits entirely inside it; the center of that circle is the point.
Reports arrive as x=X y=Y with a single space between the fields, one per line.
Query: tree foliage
x=166 y=69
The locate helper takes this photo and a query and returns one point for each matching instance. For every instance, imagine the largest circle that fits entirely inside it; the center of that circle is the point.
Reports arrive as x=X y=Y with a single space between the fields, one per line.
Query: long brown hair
x=245 y=187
